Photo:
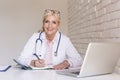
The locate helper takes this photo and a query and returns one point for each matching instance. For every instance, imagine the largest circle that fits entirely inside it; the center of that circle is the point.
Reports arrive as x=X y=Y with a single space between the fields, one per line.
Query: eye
x=46 y=21
x=54 y=22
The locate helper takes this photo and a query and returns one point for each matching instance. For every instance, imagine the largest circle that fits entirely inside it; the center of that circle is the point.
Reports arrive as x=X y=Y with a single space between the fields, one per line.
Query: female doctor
x=50 y=47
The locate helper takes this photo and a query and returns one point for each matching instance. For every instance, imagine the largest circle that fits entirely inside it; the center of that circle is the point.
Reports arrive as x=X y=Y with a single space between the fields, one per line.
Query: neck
x=50 y=37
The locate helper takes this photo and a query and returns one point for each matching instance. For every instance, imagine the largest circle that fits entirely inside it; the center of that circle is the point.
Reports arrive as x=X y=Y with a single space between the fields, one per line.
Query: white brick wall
x=93 y=21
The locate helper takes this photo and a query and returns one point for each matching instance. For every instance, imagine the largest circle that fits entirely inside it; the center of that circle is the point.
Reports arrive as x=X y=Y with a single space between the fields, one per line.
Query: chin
x=50 y=33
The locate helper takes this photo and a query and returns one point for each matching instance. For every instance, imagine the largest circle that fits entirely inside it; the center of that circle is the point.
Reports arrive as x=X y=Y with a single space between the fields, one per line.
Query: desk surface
x=18 y=74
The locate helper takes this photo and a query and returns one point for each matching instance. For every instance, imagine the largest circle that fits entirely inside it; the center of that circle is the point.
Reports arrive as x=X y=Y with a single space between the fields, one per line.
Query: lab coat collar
x=56 y=38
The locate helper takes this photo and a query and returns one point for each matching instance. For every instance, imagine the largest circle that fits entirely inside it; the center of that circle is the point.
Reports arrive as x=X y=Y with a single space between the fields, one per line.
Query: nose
x=50 y=24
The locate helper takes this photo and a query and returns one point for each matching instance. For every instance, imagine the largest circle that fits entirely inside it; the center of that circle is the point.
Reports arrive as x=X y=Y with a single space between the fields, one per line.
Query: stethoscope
x=38 y=39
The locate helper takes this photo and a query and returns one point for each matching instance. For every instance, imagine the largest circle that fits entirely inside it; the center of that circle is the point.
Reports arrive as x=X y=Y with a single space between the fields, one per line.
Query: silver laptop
x=100 y=58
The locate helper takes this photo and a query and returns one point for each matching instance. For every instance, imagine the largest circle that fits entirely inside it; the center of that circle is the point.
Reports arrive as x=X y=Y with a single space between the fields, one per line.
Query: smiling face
x=51 y=22
x=51 y=25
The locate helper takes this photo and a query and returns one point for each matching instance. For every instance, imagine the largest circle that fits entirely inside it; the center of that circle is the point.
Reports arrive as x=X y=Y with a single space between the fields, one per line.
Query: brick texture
x=93 y=21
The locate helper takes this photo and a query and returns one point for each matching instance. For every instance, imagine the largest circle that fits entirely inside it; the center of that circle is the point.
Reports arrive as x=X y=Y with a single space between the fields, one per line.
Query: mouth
x=49 y=29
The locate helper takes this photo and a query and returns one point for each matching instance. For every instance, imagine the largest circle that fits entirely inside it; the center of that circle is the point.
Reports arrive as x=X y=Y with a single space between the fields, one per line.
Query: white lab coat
x=66 y=50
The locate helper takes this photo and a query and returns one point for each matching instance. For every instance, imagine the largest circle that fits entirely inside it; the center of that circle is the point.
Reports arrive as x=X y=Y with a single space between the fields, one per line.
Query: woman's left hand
x=65 y=64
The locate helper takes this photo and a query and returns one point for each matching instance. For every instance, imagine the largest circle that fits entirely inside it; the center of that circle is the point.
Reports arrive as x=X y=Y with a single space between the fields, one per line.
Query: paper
x=31 y=67
x=44 y=68
x=4 y=68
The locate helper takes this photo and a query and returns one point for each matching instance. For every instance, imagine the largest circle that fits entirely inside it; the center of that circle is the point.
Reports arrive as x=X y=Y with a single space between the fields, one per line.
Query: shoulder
x=64 y=37
x=34 y=35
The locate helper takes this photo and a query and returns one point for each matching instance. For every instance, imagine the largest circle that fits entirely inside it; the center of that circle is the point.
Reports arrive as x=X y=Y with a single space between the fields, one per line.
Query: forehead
x=52 y=17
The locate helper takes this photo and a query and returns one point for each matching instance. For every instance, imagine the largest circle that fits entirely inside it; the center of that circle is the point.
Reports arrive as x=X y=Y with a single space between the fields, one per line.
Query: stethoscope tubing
x=38 y=39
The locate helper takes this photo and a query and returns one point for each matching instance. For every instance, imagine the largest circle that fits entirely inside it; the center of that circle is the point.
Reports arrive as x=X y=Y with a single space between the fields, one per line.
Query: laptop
x=100 y=58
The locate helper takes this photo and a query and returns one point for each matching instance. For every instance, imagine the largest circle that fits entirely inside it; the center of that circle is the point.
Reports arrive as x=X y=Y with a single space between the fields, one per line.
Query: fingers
x=62 y=65
x=59 y=67
x=38 y=63
x=32 y=62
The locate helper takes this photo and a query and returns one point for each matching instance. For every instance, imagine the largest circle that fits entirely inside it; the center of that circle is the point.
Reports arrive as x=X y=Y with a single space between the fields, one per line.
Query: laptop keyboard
x=75 y=73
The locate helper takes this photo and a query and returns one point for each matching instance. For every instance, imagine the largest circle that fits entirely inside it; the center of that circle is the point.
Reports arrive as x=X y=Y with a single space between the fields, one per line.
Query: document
x=42 y=68
x=4 y=68
x=32 y=67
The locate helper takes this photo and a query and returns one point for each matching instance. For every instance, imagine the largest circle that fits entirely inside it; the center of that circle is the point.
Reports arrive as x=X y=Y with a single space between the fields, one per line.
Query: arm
x=73 y=57
x=27 y=53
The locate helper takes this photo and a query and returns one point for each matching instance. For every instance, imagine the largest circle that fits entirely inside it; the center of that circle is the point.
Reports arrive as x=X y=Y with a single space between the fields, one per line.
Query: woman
x=50 y=47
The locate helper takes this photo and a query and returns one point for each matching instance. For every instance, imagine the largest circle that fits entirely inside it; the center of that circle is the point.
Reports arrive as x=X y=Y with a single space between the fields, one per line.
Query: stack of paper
x=46 y=67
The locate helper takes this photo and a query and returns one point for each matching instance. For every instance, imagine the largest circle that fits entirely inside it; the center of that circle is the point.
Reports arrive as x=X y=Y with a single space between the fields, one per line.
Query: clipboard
x=22 y=66
x=31 y=67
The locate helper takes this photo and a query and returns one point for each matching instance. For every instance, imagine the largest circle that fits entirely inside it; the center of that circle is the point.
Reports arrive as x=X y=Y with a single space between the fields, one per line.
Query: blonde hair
x=49 y=12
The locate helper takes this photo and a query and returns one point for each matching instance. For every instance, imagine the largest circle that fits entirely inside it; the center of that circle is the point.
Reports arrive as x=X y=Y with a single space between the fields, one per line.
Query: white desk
x=18 y=74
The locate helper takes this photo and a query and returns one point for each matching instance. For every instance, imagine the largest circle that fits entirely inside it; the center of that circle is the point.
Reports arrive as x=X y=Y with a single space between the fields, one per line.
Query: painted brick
x=93 y=21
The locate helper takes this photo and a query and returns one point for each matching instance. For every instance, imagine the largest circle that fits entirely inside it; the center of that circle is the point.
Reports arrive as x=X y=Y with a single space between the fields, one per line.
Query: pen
x=36 y=56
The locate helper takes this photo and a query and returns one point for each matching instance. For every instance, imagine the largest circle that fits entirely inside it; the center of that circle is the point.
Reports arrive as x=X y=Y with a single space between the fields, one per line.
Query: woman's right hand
x=38 y=63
